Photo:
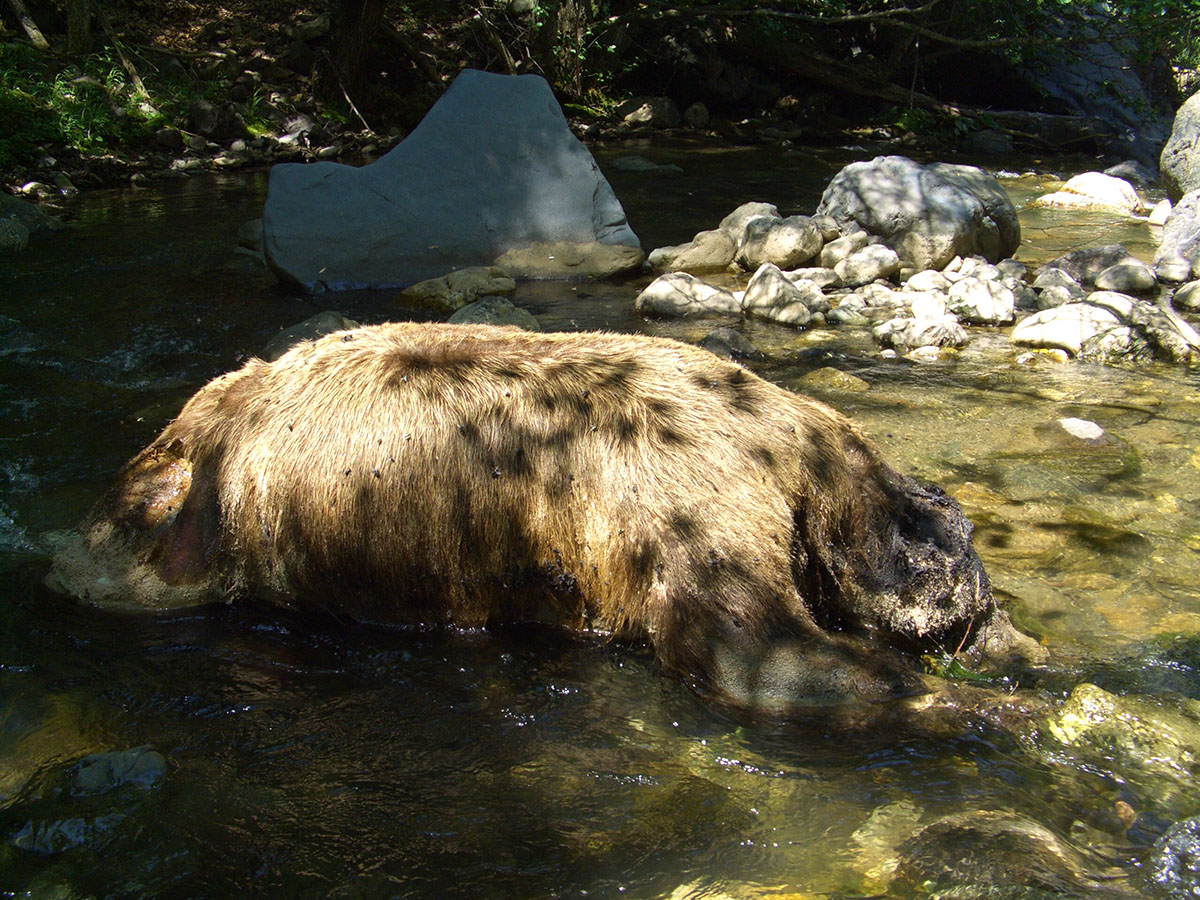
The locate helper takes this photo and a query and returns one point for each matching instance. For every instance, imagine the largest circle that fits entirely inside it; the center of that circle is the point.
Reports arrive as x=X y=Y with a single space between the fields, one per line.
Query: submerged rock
x=458 y=288
x=910 y=334
x=1136 y=739
x=322 y=323
x=995 y=853
x=1173 y=867
x=495 y=311
x=729 y=343
x=142 y=767
x=570 y=259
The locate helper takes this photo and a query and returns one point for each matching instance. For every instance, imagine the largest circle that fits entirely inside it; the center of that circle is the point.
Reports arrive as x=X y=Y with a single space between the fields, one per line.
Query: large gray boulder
x=492 y=168
x=1178 y=256
x=1179 y=164
x=927 y=214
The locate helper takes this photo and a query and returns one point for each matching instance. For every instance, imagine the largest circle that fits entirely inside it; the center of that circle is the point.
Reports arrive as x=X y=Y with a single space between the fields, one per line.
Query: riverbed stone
x=98 y=773
x=1187 y=296
x=1179 y=162
x=650 y=112
x=1065 y=327
x=569 y=259
x=310 y=329
x=735 y=223
x=1095 y=190
x=927 y=214
x=683 y=295
x=1109 y=327
x=928 y=280
x=729 y=343
x=839 y=248
x=1023 y=858
x=868 y=264
x=495 y=311
x=456 y=289
x=880 y=295
x=982 y=302
x=1052 y=276
x=493 y=167
x=1012 y=268
x=905 y=334
x=1173 y=865
x=1159 y=213
x=818 y=275
x=708 y=251
x=1178 y=255
x=827 y=378
x=1057 y=295
x=1025 y=297
x=1135 y=736
x=771 y=295
x=1085 y=264
x=1128 y=278
x=791 y=242
x=14 y=236
x=29 y=215
x=927 y=304
x=1000 y=236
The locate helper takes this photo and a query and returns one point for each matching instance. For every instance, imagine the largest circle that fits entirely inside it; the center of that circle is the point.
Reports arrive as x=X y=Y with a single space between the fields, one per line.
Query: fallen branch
x=35 y=34
x=346 y=94
x=126 y=63
x=489 y=31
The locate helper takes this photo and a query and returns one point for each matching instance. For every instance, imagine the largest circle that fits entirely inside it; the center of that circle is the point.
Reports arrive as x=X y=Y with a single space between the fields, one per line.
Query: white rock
x=866 y=265
x=1084 y=429
x=681 y=294
x=1066 y=327
x=982 y=302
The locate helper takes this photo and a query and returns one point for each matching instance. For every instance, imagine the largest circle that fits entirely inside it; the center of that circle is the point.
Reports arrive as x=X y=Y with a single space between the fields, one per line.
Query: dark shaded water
x=316 y=759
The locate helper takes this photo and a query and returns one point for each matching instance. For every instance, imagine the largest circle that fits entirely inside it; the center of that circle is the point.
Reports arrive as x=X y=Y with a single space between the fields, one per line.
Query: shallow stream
x=321 y=759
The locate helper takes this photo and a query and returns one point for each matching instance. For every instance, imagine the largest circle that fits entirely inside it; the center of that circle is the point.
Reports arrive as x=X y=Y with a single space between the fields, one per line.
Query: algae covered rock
x=1151 y=743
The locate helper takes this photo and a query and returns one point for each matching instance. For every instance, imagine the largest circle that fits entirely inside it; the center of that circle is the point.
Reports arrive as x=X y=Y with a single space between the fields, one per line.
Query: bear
x=637 y=488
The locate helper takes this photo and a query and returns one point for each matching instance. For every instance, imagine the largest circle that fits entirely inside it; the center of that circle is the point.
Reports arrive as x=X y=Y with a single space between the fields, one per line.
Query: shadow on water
x=319 y=759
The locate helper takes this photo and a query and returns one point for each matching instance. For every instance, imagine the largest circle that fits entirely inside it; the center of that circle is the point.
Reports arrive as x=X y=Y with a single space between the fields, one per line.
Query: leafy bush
x=88 y=105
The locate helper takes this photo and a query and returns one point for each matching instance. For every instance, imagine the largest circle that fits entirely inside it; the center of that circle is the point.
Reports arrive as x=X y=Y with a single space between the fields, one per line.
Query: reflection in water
x=319 y=759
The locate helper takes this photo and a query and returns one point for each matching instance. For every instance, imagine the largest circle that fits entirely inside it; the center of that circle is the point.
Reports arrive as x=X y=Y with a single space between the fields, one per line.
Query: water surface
x=322 y=759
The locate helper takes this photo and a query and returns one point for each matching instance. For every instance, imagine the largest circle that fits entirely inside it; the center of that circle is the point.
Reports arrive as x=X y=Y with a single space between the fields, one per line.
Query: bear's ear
x=150 y=491
x=183 y=549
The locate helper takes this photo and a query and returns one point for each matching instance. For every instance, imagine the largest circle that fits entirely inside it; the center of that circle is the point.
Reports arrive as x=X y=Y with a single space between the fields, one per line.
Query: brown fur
x=467 y=475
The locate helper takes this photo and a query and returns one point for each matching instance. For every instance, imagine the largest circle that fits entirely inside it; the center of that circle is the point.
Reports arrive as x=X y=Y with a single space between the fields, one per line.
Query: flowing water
x=323 y=759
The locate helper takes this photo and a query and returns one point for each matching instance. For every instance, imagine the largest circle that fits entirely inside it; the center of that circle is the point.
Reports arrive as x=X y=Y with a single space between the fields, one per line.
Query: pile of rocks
x=870 y=266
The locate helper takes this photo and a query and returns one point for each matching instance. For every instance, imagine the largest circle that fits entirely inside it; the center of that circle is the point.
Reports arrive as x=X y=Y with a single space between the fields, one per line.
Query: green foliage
x=88 y=106
x=934 y=124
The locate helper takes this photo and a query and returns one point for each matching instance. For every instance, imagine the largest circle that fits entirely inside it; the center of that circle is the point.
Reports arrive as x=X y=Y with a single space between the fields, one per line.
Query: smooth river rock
x=492 y=168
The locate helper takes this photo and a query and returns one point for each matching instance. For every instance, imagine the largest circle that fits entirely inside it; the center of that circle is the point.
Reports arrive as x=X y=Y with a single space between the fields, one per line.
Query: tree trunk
x=79 y=26
x=358 y=22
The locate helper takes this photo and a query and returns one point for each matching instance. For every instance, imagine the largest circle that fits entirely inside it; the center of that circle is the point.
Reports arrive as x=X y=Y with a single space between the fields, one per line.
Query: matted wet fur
x=636 y=487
